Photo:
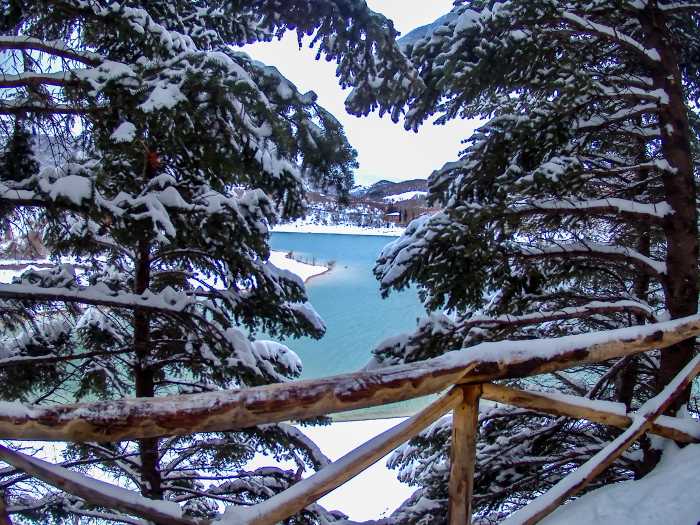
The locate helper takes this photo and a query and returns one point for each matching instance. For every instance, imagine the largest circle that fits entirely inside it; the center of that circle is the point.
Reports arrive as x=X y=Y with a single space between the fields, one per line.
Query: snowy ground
x=667 y=495
x=338 y=229
x=374 y=493
x=303 y=270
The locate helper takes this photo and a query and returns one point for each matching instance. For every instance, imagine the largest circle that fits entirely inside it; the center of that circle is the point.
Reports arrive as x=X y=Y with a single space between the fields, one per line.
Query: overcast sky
x=385 y=150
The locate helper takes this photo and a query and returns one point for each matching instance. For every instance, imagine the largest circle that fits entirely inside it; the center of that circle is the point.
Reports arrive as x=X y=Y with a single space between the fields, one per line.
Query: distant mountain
x=385 y=188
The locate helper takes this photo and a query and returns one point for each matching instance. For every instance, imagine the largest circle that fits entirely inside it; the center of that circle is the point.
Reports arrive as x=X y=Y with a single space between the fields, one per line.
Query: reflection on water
x=348 y=299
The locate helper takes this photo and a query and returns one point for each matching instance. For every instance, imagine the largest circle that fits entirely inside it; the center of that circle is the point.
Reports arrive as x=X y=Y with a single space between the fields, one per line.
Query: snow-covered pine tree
x=572 y=209
x=16 y=163
x=176 y=153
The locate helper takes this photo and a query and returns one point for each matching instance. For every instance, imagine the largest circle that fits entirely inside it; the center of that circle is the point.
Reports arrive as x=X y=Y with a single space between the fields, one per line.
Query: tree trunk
x=4 y=515
x=680 y=228
x=627 y=379
x=144 y=376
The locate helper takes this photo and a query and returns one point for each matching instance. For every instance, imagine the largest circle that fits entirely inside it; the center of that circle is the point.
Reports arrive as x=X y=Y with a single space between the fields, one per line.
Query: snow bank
x=667 y=495
x=337 y=229
x=303 y=270
x=373 y=493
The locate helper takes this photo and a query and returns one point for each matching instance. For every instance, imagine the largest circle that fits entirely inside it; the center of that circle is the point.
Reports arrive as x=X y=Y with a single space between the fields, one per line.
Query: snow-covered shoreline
x=303 y=270
x=337 y=229
x=338 y=439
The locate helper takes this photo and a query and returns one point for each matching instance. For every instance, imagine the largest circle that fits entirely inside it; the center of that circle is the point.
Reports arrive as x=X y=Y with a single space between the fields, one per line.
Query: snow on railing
x=468 y=371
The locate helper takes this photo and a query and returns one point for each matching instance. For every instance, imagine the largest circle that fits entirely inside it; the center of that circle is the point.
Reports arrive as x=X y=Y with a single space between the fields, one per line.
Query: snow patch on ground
x=337 y=229
x=372 y=494
x=669 y=495
x=303 y=270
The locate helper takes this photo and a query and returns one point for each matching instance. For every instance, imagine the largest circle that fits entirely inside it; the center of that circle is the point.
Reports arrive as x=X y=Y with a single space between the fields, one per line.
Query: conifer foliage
x=172 y=153
x=572 y=209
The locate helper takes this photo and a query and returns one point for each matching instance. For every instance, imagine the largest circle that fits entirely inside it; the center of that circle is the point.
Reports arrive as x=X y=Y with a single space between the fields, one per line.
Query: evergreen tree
x=572 y=209
x=179 y=153
x=16 y=162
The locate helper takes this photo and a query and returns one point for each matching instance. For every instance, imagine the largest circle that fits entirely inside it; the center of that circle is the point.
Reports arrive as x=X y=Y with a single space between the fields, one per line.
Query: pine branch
x=612 y=34
x=56 y=48
x=627 y=209
x=49 y=358
x=98 y=492
x=607 y=252
x=32 y=79
x=23 y=107
x=97 y=295
x=573 y=312
x=678 y=7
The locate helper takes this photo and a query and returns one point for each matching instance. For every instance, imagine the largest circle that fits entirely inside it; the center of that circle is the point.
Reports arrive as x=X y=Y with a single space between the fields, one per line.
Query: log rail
x=464 y=375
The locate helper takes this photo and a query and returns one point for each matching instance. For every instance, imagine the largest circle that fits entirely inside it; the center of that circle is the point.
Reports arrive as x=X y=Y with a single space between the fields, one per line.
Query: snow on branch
x=600 y=251
x=613 y=34
x=168 y=300
x=599 y=121
x=572 y=312
x=53 y=47
x=20 y=197
x=678 y=7
x=136 y=418
x=22 y=106
x=653 y=212
x=98 y=492
x=30 y=78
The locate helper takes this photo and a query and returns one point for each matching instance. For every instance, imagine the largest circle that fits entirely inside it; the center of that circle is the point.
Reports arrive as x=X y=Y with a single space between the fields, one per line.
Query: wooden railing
x=465 y=375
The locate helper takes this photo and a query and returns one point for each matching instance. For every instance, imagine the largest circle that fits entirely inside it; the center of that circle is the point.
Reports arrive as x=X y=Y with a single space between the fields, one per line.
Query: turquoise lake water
x=348 y=299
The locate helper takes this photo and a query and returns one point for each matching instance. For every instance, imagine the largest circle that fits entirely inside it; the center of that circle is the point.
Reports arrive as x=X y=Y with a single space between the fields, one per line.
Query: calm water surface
x=348 y=299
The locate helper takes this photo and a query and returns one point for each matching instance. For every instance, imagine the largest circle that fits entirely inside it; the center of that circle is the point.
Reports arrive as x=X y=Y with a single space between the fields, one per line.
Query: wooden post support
x=4 y=515
x=572 y=484
x=463 y=456
x=603 y=412
x=285 y=504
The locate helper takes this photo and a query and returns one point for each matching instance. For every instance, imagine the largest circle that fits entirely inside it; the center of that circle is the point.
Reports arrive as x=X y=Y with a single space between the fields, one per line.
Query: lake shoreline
x=303 y=270
x=337 y=229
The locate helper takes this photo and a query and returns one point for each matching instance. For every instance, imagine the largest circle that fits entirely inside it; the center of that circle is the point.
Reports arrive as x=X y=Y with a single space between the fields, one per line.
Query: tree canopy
x=573 y=208
x=156 y=155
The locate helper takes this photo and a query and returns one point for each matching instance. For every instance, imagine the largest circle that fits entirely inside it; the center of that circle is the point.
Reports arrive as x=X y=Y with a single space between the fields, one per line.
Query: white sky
x=385 y=150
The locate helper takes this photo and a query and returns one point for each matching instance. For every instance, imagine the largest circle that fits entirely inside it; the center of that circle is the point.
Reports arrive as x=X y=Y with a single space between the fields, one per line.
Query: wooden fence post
x=463 y=455
x=285 y=504
x=4 y=514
